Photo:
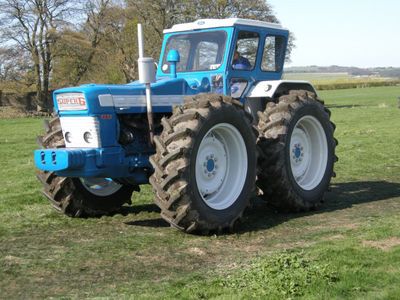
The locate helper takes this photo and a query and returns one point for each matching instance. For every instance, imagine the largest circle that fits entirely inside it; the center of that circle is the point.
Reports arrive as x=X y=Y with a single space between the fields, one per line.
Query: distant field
x=349 y=249
x=331 y=81
x=314 y=77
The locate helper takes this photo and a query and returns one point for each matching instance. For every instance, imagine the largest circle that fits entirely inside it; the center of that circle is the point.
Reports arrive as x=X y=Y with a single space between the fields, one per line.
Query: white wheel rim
x=221 y=166
x=102 y=187
x=308 y=152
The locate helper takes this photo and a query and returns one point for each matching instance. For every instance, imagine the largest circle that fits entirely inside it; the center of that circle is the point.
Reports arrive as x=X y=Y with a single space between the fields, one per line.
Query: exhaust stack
x=146 y=76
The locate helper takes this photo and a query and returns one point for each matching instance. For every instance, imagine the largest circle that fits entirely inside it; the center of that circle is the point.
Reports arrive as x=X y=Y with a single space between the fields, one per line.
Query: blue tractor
x=208 y=127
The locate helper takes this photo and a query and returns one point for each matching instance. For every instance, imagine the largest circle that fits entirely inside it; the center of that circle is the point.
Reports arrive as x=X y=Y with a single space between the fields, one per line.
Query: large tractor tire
x=79 y=197
x=205 y=164
x=297 y=152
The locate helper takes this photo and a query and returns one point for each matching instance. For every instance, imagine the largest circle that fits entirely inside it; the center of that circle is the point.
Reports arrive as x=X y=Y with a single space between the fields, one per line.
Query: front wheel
x=205 y=164
x=297 y=151
x=79 y=197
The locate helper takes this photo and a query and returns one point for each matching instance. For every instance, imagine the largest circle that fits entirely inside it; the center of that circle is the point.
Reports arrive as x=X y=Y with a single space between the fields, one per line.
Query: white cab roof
x=215 y=23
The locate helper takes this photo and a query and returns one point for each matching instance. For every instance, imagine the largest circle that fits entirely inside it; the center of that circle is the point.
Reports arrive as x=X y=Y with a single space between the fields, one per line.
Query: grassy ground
x=348 y=249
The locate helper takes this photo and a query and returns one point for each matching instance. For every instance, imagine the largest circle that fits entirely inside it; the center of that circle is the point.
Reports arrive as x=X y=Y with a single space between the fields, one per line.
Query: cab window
x=274 y=50
x=199 y=51
x=244 y=57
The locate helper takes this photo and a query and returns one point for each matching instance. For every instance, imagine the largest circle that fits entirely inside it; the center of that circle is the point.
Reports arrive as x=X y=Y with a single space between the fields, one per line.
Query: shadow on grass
x=147 y=208
x=261 y=216
x=345 y=106
x=342 y=196
x=138 y=208
x=149 y=223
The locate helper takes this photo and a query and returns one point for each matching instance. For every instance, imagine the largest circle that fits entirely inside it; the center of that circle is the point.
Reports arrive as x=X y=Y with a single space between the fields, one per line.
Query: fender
x=276 y=88
x=270 y=90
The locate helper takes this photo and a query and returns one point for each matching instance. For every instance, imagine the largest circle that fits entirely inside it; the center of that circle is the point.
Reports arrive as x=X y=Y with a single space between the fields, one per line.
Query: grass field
x=350 y=248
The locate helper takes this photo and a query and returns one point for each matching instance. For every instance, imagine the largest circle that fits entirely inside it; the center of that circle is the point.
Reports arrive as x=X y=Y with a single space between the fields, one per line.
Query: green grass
x=350 y=248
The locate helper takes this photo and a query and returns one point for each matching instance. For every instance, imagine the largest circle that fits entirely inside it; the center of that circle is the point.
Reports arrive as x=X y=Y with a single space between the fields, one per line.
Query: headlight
x=68 y=137
x=87 y=136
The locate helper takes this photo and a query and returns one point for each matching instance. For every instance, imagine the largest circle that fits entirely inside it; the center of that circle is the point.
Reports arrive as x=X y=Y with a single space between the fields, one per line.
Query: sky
x=360 y=33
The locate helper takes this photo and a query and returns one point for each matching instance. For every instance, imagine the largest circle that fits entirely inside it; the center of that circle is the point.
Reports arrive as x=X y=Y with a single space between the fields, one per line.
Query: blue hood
x=168 y=87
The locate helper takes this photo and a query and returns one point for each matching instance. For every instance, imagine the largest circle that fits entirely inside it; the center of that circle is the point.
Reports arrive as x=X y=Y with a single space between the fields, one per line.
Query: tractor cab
x=223 y=56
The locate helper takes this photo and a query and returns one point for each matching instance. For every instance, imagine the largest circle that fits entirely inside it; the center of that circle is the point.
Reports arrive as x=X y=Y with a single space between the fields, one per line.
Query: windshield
x=200 y=51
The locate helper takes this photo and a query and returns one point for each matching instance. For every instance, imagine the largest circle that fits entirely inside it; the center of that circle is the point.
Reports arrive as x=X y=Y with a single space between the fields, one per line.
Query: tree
x=86 y=53
x=15 y=70
x=32 y=26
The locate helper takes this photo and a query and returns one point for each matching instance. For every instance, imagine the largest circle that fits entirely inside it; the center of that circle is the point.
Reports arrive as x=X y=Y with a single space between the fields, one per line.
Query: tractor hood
x=126 y=98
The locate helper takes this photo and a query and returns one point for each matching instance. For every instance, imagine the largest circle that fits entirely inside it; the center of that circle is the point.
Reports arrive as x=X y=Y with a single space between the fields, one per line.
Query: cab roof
x=215 y=23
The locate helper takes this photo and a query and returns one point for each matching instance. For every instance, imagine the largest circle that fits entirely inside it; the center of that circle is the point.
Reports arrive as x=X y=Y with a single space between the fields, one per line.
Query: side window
x=273 y=54
x=244 y=57
x=206 y=56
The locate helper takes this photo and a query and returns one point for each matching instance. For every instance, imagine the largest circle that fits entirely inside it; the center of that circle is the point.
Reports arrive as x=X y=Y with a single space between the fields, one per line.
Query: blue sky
x=361 y=33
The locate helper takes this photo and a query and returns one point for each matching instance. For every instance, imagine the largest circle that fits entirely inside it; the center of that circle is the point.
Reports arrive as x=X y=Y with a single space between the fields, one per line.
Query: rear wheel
x=79 y=197
x=297 y=150
x=205 y=164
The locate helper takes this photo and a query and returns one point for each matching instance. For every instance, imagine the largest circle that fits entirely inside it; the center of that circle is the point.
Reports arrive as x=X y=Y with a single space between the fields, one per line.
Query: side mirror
x=173 y=58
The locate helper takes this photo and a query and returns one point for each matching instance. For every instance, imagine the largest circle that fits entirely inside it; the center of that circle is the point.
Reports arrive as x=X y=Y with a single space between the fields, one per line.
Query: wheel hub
x=210 y=165
x=298 y=152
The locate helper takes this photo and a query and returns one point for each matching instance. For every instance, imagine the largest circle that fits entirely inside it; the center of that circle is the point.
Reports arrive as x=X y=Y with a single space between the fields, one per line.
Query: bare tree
x=32 y=25
x=122 y=36
x=94 y=29
x=15 y=69
x=103 y=38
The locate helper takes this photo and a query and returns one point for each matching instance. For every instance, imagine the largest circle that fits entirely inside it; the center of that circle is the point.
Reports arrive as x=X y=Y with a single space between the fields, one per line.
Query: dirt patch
x=384 y=245
x=291 y=245
x=197 y=251
x=10 y=260
x=334 y=237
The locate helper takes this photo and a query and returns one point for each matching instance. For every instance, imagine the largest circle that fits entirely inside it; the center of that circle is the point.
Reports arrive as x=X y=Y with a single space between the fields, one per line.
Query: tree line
x=48 y=44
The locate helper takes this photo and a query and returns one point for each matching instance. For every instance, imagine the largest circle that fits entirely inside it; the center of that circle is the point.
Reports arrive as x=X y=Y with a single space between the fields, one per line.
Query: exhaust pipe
x=146 y=76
